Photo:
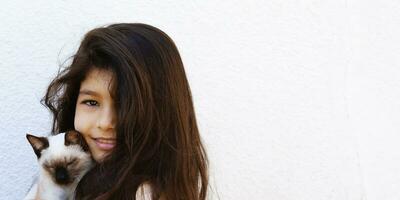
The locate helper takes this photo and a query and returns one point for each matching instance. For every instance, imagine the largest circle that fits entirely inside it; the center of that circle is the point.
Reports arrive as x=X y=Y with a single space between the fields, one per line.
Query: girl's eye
x=90 y=103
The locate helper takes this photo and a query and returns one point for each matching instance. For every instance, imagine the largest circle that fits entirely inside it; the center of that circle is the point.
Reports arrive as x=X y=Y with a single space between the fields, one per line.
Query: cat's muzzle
x=62 y=176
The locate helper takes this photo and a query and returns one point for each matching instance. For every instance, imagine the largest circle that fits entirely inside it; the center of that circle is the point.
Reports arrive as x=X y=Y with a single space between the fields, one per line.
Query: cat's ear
x=37 y=143
x=74 y=137
x=71 y=137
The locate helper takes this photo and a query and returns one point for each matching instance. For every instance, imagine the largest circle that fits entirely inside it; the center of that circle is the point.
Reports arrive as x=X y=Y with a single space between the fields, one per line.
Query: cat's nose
x=61 y=175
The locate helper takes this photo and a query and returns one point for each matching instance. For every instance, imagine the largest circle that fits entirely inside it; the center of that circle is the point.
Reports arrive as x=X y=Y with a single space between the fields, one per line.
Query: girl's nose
x=107 y=119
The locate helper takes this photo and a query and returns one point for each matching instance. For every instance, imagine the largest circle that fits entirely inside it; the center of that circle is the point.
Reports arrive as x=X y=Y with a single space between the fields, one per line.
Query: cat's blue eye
x=90 y=103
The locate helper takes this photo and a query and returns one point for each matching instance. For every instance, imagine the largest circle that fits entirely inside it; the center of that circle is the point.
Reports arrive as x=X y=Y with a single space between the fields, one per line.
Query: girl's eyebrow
x=89 y=92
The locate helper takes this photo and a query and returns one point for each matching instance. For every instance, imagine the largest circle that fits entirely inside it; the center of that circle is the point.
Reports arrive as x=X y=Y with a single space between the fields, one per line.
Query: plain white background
x=296 y=100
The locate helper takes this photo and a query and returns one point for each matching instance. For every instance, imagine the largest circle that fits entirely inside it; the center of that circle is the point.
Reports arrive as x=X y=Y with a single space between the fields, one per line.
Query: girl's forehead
x=98 y=80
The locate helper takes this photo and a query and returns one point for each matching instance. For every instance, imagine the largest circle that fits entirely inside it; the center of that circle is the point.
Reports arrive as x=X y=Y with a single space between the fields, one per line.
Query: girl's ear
x=74 y=137
x=37 y=143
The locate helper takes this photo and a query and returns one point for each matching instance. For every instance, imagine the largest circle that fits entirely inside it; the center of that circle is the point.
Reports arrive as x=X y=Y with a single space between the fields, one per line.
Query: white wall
x=296 y=100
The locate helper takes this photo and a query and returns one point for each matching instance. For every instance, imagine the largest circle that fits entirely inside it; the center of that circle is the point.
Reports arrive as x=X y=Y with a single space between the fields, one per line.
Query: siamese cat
x=63 y=160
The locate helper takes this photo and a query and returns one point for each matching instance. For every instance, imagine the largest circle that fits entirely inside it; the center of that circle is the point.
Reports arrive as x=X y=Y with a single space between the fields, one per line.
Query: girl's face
x=95 y=114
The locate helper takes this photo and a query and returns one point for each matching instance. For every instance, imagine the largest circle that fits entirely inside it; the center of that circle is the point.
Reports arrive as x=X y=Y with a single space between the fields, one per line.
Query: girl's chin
x=99 y=156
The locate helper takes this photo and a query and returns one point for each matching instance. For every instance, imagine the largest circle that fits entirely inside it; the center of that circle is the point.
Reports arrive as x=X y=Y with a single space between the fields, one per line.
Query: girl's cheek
x=78 y=124
x=81 y=120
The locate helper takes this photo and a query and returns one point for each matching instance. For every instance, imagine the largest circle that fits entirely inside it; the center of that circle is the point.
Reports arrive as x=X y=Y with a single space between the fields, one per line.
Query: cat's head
x=64 y=157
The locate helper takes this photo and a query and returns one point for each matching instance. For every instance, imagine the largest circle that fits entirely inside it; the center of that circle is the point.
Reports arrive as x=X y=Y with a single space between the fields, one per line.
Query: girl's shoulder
x=144 y=192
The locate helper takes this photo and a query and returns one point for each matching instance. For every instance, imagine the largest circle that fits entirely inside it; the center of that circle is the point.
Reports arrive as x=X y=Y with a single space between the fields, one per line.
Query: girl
x=127 y=93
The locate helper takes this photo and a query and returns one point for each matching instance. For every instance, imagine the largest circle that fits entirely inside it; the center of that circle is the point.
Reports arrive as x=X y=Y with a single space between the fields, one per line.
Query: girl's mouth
x=105 y=144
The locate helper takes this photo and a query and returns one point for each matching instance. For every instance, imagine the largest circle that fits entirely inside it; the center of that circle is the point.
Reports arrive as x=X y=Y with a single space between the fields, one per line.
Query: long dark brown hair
x=158 y=141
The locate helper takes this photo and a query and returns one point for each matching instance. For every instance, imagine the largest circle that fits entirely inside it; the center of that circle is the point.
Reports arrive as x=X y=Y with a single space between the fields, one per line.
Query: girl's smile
x=104 y=144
